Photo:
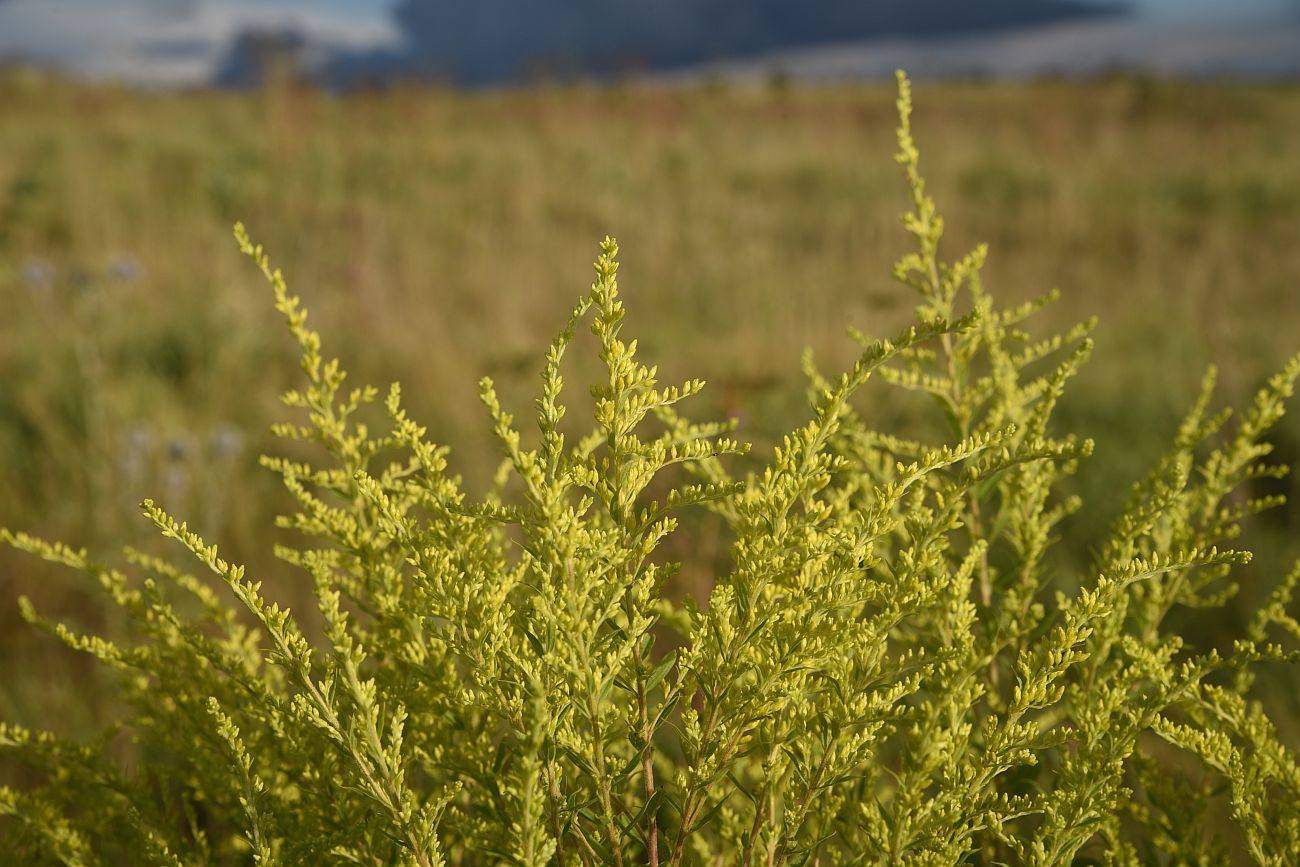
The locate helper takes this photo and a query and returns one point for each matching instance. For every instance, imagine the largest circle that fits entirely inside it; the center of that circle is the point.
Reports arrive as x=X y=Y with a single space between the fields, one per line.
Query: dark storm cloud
x=496 y=40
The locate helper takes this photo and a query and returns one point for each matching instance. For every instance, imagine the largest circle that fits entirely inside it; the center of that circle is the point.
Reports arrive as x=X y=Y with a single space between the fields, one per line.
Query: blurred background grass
x=438 y=236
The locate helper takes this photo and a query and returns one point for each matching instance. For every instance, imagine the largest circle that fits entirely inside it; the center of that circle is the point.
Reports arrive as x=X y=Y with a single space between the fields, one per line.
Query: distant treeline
x=491 y=41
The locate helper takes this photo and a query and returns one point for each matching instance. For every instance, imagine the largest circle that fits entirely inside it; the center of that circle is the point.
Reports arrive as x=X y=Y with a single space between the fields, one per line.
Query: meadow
x=435 y=235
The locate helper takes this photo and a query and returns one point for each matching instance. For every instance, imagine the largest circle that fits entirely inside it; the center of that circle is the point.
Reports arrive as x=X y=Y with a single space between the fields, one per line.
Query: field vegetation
x=438 y=234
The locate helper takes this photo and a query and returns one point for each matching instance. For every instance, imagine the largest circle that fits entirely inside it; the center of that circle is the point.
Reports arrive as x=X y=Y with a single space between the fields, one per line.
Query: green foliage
x=891 y=670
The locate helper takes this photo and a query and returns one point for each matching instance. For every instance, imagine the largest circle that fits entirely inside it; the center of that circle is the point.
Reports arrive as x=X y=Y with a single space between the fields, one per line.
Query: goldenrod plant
x=890 y=670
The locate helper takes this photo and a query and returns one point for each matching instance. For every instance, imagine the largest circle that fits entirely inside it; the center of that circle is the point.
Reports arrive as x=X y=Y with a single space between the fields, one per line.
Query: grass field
x=438 y=237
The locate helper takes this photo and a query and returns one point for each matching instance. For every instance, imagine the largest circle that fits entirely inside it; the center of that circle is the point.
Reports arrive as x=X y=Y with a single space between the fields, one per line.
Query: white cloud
x=170 y=41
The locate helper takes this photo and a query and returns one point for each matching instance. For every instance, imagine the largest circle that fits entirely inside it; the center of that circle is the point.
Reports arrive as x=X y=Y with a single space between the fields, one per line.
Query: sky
x=1218 y=10
x=181 y=41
